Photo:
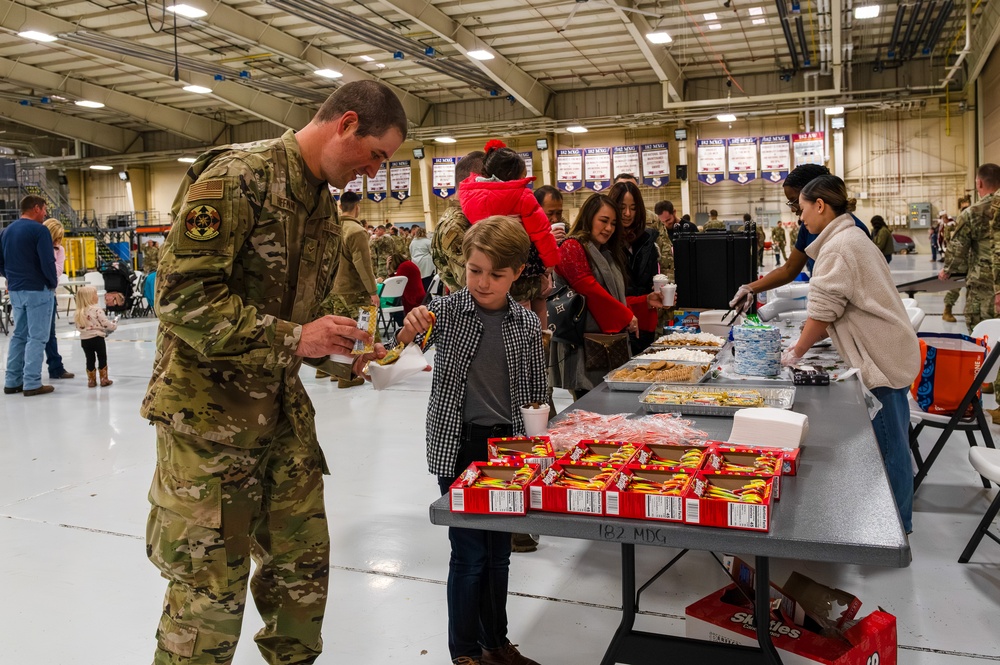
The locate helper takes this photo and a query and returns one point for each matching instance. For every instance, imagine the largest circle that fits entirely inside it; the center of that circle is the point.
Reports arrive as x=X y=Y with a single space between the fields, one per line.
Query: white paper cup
x=660 y=280
x=558 y=226
x=536 y=420
x=669 y=294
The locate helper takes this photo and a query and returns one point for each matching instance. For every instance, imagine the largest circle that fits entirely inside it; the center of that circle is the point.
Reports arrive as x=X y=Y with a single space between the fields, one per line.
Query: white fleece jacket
x=852 y=290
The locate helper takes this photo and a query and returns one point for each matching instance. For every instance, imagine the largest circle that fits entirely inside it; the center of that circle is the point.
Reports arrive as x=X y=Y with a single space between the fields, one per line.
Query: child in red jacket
x=502 y=189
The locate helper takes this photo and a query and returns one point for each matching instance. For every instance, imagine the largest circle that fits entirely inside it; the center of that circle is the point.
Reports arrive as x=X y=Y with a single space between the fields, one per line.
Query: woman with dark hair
x=883 y=238
x=641 y=261
x=797 y=259
x=852 y=299
x=592 y=262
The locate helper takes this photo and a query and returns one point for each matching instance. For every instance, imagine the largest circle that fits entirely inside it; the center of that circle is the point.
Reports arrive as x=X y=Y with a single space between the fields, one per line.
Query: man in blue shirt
x=28 y=262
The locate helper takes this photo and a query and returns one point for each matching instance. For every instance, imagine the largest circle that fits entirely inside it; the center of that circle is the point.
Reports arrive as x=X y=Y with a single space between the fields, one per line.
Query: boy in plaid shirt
x=488 y=363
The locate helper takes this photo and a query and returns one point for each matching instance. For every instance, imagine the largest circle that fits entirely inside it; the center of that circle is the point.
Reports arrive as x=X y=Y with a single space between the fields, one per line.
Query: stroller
x=119 y=293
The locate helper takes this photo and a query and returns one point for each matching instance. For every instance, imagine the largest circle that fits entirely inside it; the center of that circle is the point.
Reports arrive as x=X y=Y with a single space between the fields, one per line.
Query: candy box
x=789 y=456
x=670 y=455
x=870 y=641
x=729 y=461
x=526 y=449
x=571 y=488
x=602 y=453
x=734 y=502
x=647 y=492
x=494 y=488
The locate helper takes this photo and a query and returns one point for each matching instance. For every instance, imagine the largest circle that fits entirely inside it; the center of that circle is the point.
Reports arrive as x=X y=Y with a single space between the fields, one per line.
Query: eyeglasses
x=794 y=206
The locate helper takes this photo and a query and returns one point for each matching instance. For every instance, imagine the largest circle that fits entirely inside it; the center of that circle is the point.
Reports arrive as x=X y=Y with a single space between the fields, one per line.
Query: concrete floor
x=77 y=589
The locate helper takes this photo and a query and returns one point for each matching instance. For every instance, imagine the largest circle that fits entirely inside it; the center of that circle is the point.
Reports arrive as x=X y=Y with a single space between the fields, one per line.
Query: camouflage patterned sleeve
x=956 y=256
x=211 y=223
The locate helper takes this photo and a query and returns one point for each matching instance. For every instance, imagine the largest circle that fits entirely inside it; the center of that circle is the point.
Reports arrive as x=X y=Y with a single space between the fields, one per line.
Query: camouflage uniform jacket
x=403 y=246
x=150 y=258
x=354 y=271
x=778 y=236
x=971 y=244
x=761 y=238
x=717 y=224
x=382 y=248
x=250 y=256
x=664 y=245
x=793 y=235
x=446 y=248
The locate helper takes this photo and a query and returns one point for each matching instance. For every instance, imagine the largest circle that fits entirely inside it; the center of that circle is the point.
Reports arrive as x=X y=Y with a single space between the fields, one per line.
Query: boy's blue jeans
x=32 y=312
x=479 y=567
x=892 y=430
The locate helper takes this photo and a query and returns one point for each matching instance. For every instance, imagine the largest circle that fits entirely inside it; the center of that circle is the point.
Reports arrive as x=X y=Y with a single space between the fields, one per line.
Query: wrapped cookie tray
x=715 y=400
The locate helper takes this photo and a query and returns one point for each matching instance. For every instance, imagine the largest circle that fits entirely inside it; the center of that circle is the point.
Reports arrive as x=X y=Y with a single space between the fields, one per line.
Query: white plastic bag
x=411 y=361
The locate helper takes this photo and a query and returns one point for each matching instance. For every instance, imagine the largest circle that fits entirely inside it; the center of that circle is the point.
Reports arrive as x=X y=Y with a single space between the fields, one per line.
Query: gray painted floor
x=76 y=589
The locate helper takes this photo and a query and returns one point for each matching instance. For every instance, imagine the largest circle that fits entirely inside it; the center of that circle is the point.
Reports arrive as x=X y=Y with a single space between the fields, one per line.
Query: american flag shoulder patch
x=206 y=189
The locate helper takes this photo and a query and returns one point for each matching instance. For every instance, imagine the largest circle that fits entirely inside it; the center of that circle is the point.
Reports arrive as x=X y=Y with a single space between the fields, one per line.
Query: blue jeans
x=32 y=323
x=52 y=357
x=891 y=427
x=478 y=569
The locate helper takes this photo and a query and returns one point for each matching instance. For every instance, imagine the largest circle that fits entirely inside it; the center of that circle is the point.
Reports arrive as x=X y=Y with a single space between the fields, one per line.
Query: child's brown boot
x=91 y=378
x=105 y=381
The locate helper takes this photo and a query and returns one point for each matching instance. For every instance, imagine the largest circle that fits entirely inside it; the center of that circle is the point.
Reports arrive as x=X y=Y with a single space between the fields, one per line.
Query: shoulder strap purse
x=567 y=311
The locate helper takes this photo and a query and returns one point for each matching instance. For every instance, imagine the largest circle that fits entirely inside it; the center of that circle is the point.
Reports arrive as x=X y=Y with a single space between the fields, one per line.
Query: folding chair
x=433 y=289
x=392 y=290
x=987 y=463
x=957 y=422
x=96 y=280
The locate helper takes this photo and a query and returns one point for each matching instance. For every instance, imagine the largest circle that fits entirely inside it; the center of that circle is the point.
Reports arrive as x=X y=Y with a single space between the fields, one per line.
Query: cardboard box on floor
x=727 y=616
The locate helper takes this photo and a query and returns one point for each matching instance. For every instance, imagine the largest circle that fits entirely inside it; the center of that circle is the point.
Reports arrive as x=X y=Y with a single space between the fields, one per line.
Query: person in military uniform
x=761 y=238
x=401 y=242
x=778 y=242
x=446 y=242
x=793 y=234
x=666 y=223
x=252 y=251
x=354 y=286
x=150 y=256
x=951 y=297
x=714 y=223
x=382 y=247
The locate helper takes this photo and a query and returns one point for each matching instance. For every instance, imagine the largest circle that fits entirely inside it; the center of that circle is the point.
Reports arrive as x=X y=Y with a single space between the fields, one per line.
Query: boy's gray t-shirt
x=487 y=392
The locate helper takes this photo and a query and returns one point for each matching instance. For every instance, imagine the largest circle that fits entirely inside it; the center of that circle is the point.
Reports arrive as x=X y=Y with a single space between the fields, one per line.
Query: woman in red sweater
x=413 y=293
x=592 y=262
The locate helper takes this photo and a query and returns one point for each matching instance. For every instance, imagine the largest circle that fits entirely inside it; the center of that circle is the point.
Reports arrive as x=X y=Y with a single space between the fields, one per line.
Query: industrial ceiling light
x=89 y=104
x=328 y=73
x=101 y=167
x=37 y=36
x=759 y=21
x=711 y=16
x=199 y=89
x=576 y=129
x=714 y=26
x=368 y=58
x=480 y=54
x=866 y=11
x=756 y=11
x=187 y=11
x=834 y=110
x=726 y=117
x=659 y=37
x=187 y=160
x=445 y=139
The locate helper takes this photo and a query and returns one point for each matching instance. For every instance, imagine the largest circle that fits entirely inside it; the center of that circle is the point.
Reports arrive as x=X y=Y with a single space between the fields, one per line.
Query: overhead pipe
x=935 y=33
x=783 y=18
x=968 y=45
x=904 y=47
x=924 y=23
x=806 y=61
x=896 y=26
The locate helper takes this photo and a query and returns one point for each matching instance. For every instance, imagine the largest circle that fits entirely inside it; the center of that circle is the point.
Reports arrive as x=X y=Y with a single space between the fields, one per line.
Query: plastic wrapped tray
x=778 y=397
x=711 y=351
x=639 y=386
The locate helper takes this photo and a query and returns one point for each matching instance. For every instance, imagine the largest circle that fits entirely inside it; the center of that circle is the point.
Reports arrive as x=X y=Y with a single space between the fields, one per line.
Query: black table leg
x=628 y=604
x=762 y=611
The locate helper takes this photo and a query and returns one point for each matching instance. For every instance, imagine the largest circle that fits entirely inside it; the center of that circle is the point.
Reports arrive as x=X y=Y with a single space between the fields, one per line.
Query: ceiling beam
x=17 y=17
x=525 y=88
x=183 y=123
x=224 y=18
x=664 y=66
x=105 y=136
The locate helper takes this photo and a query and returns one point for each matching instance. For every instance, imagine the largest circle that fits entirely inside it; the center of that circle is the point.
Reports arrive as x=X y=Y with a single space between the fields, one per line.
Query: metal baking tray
x=782 y=397
x=639 y=386
x=710 y=350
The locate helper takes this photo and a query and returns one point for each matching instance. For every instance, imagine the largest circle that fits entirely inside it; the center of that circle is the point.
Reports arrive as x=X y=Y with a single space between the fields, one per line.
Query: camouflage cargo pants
x=213 y=508
x=978 y=305
x=951 y=297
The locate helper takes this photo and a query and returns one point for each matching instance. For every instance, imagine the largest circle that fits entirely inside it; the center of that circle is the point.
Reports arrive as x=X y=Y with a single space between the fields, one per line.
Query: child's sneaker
x=508 y=655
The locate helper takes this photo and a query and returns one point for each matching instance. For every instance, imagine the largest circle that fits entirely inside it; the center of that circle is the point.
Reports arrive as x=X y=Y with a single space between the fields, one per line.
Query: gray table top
x=837 y=508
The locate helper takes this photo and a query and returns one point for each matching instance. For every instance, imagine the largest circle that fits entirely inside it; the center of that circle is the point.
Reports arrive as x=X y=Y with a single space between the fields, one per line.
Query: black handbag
x=567 y=315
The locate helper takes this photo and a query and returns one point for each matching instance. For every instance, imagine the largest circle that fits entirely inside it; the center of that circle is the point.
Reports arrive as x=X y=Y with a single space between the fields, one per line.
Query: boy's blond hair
x=85 y=297
x=501 y=238
x=56 y=230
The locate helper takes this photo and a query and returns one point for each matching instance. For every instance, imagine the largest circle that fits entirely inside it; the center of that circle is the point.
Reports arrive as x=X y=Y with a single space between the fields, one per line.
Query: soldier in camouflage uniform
x=382 y=247
x=778 y=241
x=250 y=256
x=793 y=235
x=446 y=242
x=401 y=239
x=663 y=220
x=714 y=223
x=354 y=286
x=150 y=257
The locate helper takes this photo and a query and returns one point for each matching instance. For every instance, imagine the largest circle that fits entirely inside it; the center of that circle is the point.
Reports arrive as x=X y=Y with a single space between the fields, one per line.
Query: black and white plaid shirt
x=456 y=334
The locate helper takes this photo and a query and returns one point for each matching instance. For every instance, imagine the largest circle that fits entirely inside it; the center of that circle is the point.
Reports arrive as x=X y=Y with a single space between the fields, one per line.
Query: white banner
x=569 y=169
x=625 y=159
x=655 y=164
x=443 y=176
x=400 y=180
x=742 y=160
x=775 y=163
x=597 y=168
x=711 y=160
x=808 y=148
x=357 y=185
x=376 y=187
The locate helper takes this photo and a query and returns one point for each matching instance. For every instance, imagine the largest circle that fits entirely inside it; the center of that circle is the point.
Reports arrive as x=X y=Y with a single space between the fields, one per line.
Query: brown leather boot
x=91 y=378
x=105 y=381
x=947 y=315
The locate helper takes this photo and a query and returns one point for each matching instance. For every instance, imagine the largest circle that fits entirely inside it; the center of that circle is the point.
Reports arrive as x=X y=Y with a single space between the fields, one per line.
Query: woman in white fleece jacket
x=852 y=299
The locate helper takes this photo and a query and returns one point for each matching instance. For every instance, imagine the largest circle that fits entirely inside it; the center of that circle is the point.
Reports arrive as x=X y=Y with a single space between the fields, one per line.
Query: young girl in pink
x=94 y=326
x=502 y=189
